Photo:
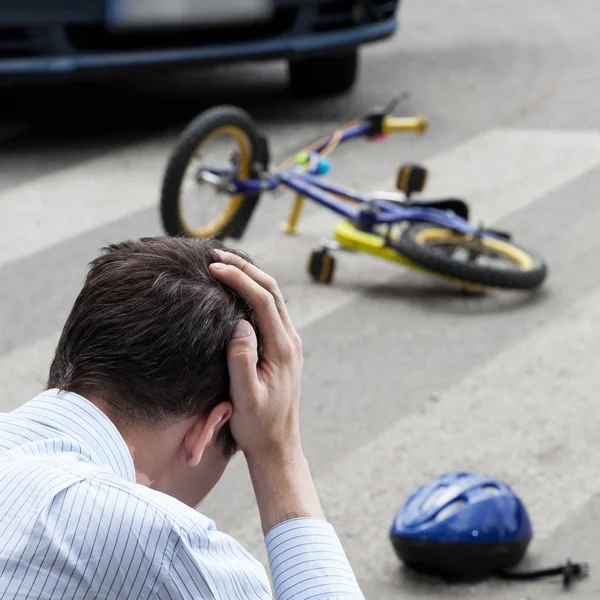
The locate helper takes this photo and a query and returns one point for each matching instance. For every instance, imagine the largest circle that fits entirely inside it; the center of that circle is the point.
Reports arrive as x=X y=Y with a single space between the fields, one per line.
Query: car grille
x=32 y=33
x=341 y=14
x=18 y=41
x=98 y=37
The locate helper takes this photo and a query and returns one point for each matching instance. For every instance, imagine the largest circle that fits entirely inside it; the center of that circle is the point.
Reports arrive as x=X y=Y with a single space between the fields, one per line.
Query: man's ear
x=204 y=432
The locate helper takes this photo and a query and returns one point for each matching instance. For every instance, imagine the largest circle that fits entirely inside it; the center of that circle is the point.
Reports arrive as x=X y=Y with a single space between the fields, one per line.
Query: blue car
x=320 y=39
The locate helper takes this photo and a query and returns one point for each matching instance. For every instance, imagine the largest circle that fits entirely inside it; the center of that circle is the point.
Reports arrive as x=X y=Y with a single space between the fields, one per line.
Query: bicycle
x=431 y=235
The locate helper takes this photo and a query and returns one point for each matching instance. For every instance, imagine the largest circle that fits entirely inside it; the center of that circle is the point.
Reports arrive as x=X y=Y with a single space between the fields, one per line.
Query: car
x=319 y=39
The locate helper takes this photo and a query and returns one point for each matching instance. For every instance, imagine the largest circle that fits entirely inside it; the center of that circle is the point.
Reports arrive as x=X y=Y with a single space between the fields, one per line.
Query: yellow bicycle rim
x=515 y=255
x=245 y=149
x=352 y=239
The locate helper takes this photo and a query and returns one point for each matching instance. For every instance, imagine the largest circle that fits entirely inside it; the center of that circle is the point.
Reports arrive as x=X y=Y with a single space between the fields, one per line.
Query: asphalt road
x=405 y=378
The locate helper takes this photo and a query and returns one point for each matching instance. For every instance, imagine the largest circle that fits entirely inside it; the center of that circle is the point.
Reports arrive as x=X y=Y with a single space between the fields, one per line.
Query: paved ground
x=405 y=378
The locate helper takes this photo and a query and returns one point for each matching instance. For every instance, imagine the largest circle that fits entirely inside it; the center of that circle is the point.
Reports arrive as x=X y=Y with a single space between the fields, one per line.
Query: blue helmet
x=462 y=525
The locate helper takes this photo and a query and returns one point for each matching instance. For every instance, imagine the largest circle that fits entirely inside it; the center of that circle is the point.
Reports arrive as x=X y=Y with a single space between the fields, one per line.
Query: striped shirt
x=74 y=524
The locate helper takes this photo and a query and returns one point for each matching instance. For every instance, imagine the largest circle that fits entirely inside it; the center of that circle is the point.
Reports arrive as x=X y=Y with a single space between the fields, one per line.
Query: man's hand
x=266 y=396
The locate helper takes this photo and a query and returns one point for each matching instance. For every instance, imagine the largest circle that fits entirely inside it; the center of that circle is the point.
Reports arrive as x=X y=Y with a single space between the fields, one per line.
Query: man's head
x=147 y=339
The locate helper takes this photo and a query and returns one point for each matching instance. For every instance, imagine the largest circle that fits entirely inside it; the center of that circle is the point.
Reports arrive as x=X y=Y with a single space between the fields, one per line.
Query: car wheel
x=324 y=75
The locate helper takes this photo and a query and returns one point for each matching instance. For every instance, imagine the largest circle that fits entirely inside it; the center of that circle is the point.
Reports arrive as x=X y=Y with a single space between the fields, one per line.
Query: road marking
x=504 y=170
x=67 y=203
x=527 y=417
x=379 y=474
x=498 y=172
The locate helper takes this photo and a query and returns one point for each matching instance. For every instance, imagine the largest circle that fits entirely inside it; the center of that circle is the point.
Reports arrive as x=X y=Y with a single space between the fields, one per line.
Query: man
x=176 y=354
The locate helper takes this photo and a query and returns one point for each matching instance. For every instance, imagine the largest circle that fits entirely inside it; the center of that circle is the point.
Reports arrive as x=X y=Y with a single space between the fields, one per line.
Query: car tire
x=324 y=75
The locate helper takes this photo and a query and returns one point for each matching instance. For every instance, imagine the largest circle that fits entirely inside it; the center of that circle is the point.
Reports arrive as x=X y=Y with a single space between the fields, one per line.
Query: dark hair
x=148 y=332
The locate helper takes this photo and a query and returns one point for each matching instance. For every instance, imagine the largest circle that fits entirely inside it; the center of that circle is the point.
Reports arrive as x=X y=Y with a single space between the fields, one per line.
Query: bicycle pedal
x=411 y=179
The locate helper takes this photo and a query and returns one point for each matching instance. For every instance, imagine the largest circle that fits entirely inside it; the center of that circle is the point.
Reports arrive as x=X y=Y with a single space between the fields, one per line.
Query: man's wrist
x=276 y=455
x=283 y=486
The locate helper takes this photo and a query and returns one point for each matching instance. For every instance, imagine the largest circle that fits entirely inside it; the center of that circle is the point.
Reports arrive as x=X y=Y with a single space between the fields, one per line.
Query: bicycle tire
x=531 y=274
x=234 y=220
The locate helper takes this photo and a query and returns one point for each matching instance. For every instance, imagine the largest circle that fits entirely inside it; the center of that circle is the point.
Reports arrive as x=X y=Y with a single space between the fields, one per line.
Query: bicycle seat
x=457 y=206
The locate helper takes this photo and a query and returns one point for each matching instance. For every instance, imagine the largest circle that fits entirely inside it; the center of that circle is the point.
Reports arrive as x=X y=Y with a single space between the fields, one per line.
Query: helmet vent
x=490 y=490
x=450 y=509
x=433 y=498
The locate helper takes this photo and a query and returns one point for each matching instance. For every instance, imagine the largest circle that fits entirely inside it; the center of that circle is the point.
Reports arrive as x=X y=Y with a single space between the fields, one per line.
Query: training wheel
x=321 y=266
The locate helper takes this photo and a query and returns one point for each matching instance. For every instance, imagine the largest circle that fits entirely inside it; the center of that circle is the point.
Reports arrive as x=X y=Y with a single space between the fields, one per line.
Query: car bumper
x=87 y=53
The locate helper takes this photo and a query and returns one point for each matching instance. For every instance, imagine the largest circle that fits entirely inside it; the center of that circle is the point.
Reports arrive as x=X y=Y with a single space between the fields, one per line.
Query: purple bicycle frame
x=364 y=214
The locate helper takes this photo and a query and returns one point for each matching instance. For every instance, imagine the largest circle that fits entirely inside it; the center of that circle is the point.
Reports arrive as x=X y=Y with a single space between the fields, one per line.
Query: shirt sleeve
x=306 y=559
x=307 y=562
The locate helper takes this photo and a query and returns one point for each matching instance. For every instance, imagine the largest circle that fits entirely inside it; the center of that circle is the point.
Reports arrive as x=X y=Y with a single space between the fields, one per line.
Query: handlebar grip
x=416 y=124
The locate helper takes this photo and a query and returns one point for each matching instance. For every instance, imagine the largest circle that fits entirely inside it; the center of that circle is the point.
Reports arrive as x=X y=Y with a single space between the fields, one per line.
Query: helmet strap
x=570 y=572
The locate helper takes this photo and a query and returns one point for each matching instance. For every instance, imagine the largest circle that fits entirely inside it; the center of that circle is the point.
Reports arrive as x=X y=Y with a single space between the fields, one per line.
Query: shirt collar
x=77 y=418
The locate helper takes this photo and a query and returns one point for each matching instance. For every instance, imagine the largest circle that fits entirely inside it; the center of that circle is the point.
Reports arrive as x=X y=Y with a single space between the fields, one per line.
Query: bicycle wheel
x=485 y=261
x=231 y=213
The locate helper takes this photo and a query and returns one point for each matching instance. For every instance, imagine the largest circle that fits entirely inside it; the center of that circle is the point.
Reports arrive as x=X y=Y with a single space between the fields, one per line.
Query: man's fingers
x=242 y=359
x=276 y=340
x=266 y=281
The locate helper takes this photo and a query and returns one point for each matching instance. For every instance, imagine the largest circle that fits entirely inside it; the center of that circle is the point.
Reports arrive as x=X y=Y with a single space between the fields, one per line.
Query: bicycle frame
x=366 y=214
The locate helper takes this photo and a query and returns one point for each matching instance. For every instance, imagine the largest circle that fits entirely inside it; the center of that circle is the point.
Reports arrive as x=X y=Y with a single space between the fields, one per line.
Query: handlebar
x=416 y=124
x=372 y=125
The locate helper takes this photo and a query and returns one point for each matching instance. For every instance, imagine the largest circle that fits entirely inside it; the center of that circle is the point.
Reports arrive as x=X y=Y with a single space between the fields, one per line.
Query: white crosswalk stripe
x=492 y=417
x=56 y=207
x=498 y=415
x=500 y=170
